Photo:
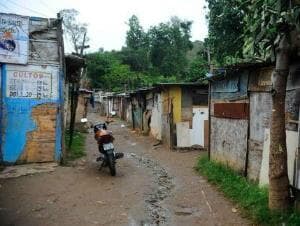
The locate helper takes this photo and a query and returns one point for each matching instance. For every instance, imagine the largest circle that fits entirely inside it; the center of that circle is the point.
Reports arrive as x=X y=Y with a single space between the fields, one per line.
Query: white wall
x=292 y=145
x=156 y=117
x=187 y=137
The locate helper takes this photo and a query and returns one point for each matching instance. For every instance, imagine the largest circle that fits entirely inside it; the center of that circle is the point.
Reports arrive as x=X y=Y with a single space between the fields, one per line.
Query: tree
x=136 y=52
x=225 y=30
x=75 y=31
x=197 y=70
x=77 y=34
x=270 y=30
x=136 y=38
x=169 y=43
x=198 y=62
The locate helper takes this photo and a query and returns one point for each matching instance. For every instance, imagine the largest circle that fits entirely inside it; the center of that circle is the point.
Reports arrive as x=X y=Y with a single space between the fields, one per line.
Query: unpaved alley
x=153 y=186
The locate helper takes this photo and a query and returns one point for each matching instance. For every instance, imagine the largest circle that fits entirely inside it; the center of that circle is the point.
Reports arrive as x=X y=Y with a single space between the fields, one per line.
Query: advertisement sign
x=14 y=38
x=35 y=82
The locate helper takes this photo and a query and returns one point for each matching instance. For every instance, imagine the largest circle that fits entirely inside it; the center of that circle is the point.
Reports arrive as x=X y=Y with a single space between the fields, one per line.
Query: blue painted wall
x=232 y=87
x=17 y=122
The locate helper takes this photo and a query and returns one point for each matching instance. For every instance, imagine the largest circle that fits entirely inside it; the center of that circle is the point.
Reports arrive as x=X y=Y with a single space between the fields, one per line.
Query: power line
x=6 y=7
x=23 y=7
x=47 y=6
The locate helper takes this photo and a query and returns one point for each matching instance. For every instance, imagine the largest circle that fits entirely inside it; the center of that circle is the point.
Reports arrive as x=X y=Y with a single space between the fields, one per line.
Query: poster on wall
x=33 y=82
x=14 y=38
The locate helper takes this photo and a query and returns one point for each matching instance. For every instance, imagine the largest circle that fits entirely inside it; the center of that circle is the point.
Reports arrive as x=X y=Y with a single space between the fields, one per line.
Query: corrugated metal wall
x=229 y=129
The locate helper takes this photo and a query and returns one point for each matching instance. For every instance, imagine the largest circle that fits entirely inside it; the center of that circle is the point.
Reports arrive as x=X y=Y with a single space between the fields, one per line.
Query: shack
x=139 y=109
x=121 y=106
x=84 y=101
x=32 y=89
x=241 y=108
x=184 y=114
x=175 y=113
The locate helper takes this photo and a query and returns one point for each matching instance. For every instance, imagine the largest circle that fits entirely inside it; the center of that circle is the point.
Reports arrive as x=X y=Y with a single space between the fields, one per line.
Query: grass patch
x=77 y=149
x=252 y=199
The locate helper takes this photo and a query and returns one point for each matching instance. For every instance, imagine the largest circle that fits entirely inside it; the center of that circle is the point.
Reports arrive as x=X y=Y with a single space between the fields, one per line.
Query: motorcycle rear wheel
x=111 y=165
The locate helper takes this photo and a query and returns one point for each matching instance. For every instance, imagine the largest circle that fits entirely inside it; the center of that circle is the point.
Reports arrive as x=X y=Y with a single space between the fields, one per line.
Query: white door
x=200 y=114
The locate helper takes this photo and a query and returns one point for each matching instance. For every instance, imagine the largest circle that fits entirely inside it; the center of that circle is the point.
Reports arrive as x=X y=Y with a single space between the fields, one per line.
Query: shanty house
x=175 y=113
x=241 y=108
x=32 y=94
x=184 y=114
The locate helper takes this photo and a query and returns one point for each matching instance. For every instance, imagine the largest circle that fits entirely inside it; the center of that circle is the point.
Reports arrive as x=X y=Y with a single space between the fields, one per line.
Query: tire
x=111 y=165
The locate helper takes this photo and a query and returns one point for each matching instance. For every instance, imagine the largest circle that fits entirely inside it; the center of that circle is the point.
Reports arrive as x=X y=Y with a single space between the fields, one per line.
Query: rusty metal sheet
x=231 y=110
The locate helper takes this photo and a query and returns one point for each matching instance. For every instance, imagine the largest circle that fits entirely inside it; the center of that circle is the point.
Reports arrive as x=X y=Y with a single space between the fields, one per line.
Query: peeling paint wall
x=175 y=95
x=260 y=116
x=41 y=141
x=292 y=146
x=137 y=112
x=32 y=98
x=156 y=118
x=129 y=111
x=229 y=135
x=229 y=142
x=82 y=106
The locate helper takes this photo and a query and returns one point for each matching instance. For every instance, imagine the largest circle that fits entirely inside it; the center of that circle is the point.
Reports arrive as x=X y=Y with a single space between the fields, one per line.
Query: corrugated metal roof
x=227 y=71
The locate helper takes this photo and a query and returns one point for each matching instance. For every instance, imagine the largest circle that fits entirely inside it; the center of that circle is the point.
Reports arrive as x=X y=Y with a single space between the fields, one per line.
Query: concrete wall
x=229 y=142
x=32 y=98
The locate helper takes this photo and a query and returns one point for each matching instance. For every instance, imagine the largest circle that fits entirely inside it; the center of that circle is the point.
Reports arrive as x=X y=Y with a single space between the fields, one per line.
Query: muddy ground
x=153 y=186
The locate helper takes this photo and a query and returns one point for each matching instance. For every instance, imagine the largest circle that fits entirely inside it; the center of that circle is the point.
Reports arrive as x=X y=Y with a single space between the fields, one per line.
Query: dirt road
x=153 y=186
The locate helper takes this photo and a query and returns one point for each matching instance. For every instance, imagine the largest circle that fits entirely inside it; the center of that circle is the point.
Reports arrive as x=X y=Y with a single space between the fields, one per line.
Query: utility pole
x=75 y=94
x=209 y=99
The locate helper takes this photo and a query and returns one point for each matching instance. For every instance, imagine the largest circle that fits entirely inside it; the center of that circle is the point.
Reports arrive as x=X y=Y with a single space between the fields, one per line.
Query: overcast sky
x=107 y=19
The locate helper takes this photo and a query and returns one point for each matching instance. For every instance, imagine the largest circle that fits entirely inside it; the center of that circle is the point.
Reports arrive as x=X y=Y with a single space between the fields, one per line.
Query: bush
x=77 y=149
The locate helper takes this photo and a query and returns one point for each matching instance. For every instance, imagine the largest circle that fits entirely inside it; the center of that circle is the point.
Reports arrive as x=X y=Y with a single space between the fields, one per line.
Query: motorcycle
x=106 y=148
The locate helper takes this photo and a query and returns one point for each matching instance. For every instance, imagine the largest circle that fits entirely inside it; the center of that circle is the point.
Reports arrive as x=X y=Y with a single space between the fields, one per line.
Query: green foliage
x=137 y=59
x=249 y=29
x=136 y=38
x=137 y=41
x=100 y=65
x=252 y=199
x=266 y=22
x=197 y=70
x=107 y=72
x=77 y=149
x=169 y=44
x=161 y=54
x=225 y=29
